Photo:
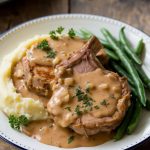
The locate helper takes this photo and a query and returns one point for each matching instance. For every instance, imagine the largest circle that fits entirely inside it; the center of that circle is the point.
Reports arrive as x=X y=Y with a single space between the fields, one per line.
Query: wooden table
x=134 y=12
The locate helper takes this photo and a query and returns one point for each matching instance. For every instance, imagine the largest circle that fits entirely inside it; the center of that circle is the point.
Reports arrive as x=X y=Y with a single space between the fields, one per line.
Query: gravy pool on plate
x=84 y=101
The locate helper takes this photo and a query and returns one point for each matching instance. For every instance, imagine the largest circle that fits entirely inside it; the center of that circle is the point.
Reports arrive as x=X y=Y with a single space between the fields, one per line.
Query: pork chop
x=38 y=68
x=38 y=78
x=95 y=100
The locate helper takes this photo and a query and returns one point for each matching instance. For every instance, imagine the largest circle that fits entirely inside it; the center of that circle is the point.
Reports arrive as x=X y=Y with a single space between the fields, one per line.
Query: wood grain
x=133 y=12
x=18 y=11
x=6 y=146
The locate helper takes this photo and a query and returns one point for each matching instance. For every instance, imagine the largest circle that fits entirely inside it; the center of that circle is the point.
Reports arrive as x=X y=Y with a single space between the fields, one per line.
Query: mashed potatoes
x=10 y=101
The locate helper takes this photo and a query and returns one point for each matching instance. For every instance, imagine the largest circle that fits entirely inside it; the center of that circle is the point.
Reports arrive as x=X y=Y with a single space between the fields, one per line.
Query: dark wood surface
x=133 y=12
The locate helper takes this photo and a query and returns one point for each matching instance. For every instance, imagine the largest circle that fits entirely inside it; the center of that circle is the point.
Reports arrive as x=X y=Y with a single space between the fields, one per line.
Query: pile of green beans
x=128 y=64
x=129 y=58
x=125 y=60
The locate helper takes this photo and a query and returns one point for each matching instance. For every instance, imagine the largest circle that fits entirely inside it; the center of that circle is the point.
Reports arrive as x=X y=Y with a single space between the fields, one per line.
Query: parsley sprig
x=87 y=89
x=87 y=101
x=51 y=54
x=17 y=122
x=60 y=30
x=68 y=108
x=43 y=45
x=70 y=139
x=53 y=35
x=96 y=107
x=84 y=97
x=71 y=33
x=77 y=110
x=104 y=102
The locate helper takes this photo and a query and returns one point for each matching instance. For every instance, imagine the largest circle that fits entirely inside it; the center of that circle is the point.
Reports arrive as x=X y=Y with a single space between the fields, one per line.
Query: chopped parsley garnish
x=87 y=89
x=17 y=122
x=87 y=101
x=88 y=109
x=78 y=111
x=70 y=139
x=71 y=33
x=51 y=54
x=43 y=45
x=79 y=94
x=104 y=103
x=96 y=107
x=68 y=108
x=53 y=35
x=112 y=96
x=85 y=110
x=72 y=97
x=60 y=30
x=84 y=97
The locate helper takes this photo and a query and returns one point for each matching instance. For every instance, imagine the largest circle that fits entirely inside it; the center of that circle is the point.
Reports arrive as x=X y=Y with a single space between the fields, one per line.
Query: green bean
x=84 y=34
x=123 y=127
x=133 y=90
x=122 y=72
x=128 y=65
x=111 y=54
x=135 y=118
x=127 y=47
x=143 y=76
x=140 y=71
x=135 y=95
x=148 y=104
x=106 y=44
x=140 y=47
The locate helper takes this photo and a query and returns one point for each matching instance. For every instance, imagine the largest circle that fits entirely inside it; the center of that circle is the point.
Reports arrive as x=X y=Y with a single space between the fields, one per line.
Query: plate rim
x=20 y=26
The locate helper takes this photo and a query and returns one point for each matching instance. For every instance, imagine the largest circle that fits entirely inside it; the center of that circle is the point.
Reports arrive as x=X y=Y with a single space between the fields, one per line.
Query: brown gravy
x=47 y=132
x=52 y=134
x=106 y=89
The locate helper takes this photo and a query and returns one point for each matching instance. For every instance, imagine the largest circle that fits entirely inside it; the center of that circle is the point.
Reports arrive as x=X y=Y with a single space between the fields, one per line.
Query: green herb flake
x=85 y=110
x=104 y=103
x=71 y=33
x=89 y=108
x=78 y=111
x=87 y=89
x=96 y=107
x=79 y=94
x=60 y=30
x=68 y=108
x=51 y=54
x=112 y=96
x=72 y=97
x=43 y=45
x=84 y=97
x=70 y=139
x=53 y=35
x=17 y=122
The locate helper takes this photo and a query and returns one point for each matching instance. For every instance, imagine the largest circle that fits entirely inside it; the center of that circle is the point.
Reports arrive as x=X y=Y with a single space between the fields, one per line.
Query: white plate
x=11 y=40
